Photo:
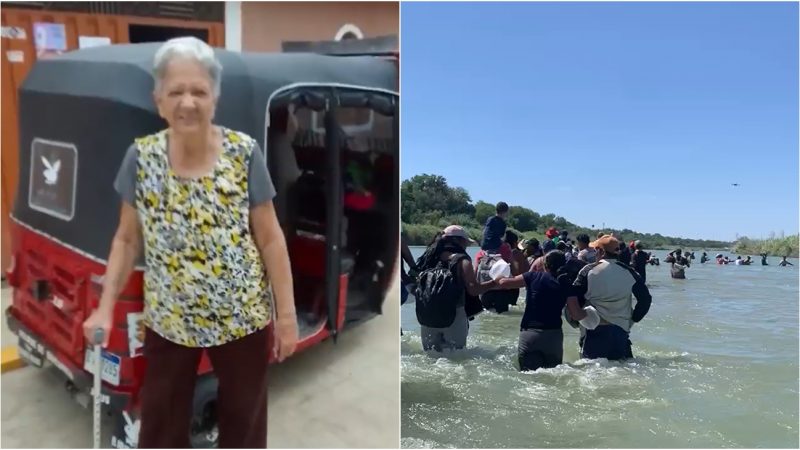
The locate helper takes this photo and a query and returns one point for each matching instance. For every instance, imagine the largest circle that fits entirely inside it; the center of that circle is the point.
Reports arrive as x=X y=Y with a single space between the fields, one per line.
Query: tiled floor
x=341 y=395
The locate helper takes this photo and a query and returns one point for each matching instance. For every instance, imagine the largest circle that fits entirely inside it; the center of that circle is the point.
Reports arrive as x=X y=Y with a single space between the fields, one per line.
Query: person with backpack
x=445 y=281
x=500 y=300
x=493 y=244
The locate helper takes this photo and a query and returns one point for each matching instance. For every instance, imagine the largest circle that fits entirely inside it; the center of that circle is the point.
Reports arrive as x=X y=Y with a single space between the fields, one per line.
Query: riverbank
x=787 y=246
x=422 y=234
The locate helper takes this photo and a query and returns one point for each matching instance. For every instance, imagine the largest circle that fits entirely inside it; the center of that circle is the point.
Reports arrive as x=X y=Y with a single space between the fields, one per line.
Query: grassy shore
x=787 y=246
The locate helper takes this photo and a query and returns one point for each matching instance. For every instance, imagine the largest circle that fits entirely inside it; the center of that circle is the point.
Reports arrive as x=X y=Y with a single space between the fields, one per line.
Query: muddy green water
x=716 y=365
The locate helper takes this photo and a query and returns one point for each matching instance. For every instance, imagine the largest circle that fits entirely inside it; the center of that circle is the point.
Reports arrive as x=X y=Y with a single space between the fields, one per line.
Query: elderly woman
x=197 y=199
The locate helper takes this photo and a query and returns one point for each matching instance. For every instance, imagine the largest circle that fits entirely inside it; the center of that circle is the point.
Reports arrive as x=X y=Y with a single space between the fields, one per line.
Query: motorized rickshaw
x=329 y=127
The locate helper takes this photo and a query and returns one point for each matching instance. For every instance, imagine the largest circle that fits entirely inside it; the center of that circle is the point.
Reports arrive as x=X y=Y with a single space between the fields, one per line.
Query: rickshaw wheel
x=205 y=432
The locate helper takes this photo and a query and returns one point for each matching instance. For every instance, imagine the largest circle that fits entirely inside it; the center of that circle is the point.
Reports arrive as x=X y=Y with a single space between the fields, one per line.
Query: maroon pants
x=168 y=391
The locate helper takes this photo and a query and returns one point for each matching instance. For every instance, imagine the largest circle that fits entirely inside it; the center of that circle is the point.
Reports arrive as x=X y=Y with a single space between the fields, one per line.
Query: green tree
x=459 y=202
x=561 y=223
x=428 y=203
x=522 y=219
x=424 y=195
x=483 y=211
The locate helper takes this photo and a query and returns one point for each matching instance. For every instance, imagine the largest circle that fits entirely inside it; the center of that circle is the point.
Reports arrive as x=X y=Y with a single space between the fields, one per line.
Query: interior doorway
x=154 y=33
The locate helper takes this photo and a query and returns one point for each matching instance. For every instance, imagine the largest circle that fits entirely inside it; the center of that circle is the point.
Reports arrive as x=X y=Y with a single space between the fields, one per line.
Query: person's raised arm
x=643 y=298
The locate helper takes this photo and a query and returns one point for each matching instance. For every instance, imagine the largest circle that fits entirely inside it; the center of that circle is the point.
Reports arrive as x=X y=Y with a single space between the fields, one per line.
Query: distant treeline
x=428 y=205
x=786 y=246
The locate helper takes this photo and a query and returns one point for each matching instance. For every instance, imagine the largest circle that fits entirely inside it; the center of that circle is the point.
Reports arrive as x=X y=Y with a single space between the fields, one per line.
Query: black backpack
x=439 y=290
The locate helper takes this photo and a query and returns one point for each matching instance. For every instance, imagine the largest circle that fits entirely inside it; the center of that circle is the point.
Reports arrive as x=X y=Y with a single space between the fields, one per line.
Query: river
x=716 y=365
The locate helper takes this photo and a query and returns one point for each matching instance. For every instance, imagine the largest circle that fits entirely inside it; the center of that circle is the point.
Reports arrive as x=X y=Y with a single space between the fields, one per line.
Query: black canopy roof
x=89 y=105
x=122 y=74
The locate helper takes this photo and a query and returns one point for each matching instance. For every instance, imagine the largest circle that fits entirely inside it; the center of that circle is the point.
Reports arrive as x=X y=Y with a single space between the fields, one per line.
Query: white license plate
x=30 y=349
x=110 y=368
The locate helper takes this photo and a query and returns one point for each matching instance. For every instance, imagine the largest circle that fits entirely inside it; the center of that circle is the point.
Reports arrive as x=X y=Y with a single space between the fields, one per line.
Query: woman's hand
x=286 y=336
x=272 y=247
x=102 y=319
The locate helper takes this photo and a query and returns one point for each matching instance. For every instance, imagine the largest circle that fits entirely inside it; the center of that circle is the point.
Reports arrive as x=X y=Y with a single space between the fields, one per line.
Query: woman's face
x=185 y=98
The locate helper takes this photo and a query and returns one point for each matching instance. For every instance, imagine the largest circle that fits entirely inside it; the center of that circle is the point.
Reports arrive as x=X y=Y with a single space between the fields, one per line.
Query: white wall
x=233 y=26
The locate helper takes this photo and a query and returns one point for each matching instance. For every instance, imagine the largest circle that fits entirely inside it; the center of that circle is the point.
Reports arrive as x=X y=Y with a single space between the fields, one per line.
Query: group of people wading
x=590 y=284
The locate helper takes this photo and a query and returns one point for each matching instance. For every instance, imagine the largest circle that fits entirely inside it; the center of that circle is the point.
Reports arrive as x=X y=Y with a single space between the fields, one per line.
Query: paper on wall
x=13 y=33
x=15 y=56
x=93 y=41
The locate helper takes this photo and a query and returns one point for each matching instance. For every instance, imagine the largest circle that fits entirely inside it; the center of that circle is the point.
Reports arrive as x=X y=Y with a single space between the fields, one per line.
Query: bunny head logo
x=51 y=171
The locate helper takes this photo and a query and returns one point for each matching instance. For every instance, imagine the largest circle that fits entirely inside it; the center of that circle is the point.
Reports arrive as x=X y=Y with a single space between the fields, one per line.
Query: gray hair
x=191 y=48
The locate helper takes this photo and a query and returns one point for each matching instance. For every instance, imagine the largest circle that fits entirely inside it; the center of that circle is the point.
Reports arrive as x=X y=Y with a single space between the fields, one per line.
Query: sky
x=632 y=115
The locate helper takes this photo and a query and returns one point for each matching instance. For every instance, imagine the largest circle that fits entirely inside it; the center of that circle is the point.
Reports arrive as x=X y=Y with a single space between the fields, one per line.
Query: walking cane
x=98 y=396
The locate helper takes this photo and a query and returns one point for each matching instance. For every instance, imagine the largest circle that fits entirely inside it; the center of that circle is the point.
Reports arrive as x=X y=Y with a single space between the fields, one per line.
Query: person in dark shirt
x=407 y=279
x=679 y=263
x=784 y=263
x=495 y=229
x=640 y=259
x=541 y=340
x=704 y=258
x=624 y=255
x=764 y=259
x=677 y=257
x=585 y=253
